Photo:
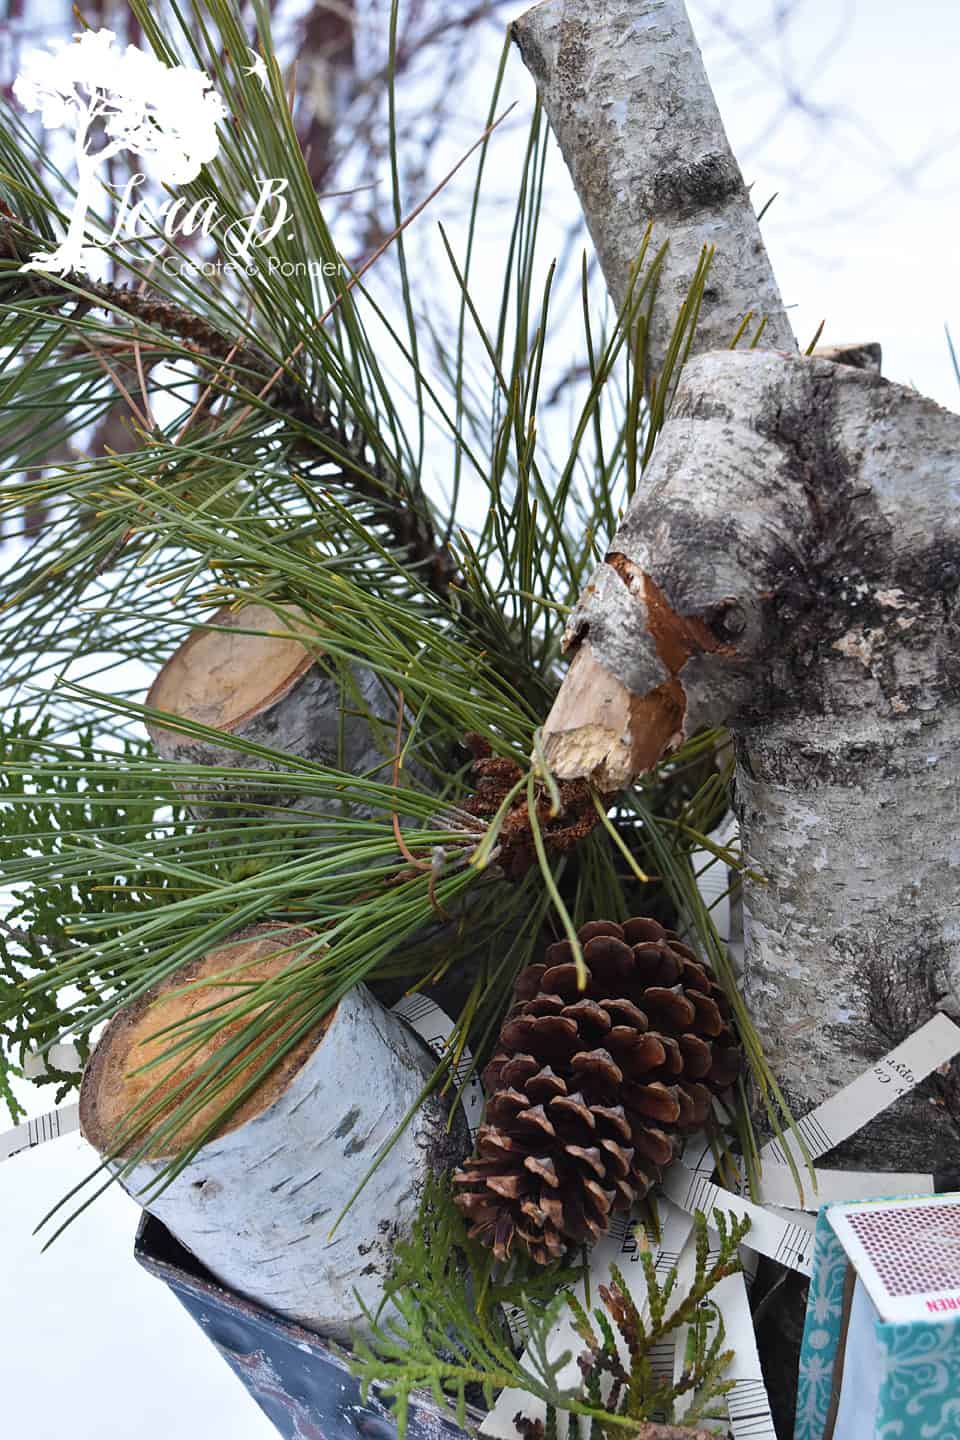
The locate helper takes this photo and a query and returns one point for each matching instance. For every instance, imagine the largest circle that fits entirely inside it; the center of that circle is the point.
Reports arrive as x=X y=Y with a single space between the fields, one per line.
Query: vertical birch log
x=257 y=675
x=257 y=1203
x=627 y=96
x=791 y=569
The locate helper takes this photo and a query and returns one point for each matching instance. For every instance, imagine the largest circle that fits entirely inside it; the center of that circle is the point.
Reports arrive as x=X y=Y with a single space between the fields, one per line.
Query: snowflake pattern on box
x=920 y=1387
x=821 y=1332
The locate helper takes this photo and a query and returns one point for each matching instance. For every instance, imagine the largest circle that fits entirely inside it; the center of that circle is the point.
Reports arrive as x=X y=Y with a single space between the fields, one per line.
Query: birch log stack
x=624 y=87
x=257 y=1203
x=791 y=569
x=256 y=674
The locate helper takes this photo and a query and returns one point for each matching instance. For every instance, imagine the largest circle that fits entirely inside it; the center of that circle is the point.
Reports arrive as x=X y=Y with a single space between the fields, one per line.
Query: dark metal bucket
x=302 y=1386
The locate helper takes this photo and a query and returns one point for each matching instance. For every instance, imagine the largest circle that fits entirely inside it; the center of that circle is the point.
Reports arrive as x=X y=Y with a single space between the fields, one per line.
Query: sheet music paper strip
x=713 y=877
x=39 y=1130
x=788 y=1241
x=748 y=1405
x=778 y=1187
x=435 y=1027
x=846 y=1112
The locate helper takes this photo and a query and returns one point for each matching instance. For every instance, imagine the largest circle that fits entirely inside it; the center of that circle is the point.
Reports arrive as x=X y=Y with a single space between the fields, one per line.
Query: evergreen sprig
x=443 y=1329
x=619 y=1376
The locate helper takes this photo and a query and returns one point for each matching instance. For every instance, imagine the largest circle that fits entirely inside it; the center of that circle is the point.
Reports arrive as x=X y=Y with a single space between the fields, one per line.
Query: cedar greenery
x=443 y=1329
x=638 y=1393
x=318 y=490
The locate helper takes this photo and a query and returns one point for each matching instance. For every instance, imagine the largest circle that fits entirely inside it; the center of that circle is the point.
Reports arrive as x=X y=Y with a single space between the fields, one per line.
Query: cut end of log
x=111 y=1088
x=598 y=731
x=221 y=677
x=862 y=355
x=602 y=730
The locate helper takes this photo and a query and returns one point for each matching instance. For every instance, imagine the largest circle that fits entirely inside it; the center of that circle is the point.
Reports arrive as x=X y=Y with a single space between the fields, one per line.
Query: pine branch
x=362 y=468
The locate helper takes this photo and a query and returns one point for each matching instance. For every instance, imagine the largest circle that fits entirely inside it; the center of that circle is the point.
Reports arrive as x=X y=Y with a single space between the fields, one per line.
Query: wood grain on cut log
x=624 y=87
x=258 y=1201
x=791 y=568
x=267 y=688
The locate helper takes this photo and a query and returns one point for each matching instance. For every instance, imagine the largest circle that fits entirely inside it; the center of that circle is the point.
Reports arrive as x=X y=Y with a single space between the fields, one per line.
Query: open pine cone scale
x=590 y=1090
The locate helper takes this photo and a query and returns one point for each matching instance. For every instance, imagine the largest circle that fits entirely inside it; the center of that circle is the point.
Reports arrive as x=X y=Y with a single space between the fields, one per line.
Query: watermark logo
x=113 y=100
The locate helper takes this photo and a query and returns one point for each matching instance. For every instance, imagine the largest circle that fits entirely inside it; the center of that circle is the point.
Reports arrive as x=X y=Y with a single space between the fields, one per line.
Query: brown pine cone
x=590 y=1089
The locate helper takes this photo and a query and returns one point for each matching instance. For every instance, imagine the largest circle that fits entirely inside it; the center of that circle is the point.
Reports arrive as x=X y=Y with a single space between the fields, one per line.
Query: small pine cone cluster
x=590 y=1090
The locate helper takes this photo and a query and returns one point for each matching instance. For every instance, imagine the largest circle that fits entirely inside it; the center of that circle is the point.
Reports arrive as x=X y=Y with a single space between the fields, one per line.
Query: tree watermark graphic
x=115 y=100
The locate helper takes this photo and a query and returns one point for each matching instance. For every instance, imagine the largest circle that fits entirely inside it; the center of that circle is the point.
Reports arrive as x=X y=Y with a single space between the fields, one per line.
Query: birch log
x=257 y=1203
x=255 y=674
x=625 y=89
x=791 y=568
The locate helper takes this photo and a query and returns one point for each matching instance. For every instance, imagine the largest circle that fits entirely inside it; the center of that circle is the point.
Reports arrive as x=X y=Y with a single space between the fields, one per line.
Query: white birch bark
x=268 y=689
x=628 y=99
x=791 y=568
x=257 y=1203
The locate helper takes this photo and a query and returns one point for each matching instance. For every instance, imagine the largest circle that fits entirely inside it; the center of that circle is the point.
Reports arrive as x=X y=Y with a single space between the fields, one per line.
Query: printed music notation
x=39 y=1130
x=749 y=1411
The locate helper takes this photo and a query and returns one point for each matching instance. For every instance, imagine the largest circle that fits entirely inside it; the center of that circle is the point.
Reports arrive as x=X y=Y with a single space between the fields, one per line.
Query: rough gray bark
x=268 y=689
x=257 y=1203
x=627 y=96
x=791 y=568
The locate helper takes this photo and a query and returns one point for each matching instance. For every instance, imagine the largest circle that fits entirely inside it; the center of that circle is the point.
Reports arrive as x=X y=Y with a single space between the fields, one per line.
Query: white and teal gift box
x=881 y=1344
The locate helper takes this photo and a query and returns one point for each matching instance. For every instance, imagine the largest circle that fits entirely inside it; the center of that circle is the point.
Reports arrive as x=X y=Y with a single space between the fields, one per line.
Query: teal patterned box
x=881 y=1343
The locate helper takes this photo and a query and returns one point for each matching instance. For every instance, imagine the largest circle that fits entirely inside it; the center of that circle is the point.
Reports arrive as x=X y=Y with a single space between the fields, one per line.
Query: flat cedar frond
x=441 y=1329
x=636 y=1391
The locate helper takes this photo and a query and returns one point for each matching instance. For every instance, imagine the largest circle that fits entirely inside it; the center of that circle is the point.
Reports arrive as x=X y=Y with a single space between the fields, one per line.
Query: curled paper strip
x=435 y=1027
x=39 y=1130
x=748 y=1404
x=788 y=1241
x=778 y=1187
x=869 y=1095
x=714 y=878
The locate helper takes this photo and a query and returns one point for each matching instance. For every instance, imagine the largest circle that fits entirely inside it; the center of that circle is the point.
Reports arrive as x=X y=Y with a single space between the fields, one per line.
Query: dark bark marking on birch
x=688 y=187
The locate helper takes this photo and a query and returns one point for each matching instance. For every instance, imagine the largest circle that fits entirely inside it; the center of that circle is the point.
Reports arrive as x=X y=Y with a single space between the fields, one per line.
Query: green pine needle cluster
x=75 y=833
x=443 y=1329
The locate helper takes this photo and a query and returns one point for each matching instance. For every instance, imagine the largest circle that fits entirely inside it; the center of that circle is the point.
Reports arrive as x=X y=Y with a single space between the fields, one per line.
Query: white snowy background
x=850 y=112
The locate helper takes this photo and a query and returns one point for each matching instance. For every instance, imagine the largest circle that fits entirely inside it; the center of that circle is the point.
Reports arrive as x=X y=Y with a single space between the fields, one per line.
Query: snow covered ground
x=92 y=1346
